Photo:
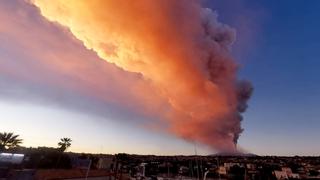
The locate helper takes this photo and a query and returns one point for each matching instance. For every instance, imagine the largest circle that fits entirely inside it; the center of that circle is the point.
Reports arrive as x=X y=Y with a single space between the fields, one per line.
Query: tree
x=9 y=140
x=313 y=173
x=64 y=144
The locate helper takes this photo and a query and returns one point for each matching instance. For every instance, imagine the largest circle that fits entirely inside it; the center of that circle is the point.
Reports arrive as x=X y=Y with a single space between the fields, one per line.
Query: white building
x=281 y=175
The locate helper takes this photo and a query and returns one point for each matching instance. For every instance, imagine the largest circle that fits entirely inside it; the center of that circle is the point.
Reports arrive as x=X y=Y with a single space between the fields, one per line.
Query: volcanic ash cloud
x=178 y=46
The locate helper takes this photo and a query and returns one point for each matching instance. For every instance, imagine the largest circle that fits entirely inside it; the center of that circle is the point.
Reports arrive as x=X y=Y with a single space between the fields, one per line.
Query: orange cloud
x=42 y=60
x=173 y=57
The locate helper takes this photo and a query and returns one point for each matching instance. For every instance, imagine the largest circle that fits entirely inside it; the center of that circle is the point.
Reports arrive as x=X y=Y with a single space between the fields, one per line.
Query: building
x=281 y=175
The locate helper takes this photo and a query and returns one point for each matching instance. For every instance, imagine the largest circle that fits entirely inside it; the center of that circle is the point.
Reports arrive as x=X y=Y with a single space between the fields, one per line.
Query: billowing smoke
x=177 y=50
x=42 y=62
x=177 y=45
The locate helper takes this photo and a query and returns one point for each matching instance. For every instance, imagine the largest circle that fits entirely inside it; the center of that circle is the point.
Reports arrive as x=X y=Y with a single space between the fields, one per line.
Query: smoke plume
x=179 y=53
x=42 y=62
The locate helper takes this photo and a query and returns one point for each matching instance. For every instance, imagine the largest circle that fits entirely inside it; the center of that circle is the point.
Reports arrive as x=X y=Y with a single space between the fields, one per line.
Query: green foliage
x=9 y=140
x=314 y=173
x=64 y=144
x=45 y=158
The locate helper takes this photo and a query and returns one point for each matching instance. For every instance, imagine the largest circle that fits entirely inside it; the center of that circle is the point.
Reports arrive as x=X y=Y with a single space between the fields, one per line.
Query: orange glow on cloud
x=177 y=46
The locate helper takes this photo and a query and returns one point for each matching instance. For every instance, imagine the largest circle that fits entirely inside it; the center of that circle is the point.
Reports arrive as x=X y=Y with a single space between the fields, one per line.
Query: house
x=105 y=163
x=280 y=175
x=222 y=170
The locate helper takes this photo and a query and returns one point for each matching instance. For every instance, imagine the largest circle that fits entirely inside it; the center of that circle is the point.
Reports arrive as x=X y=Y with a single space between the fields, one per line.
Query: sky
x=276 y=47
x=282 y=118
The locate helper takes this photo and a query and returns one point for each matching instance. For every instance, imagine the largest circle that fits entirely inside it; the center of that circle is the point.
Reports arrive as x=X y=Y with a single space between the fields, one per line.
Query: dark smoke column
x=245 y=90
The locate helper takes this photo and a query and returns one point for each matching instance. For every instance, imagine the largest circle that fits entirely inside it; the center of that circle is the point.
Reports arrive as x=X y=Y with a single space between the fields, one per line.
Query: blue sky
x=282 y=62
x=278 y=46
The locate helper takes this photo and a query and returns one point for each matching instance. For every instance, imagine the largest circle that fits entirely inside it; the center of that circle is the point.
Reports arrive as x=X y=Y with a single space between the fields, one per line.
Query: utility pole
x=245 y=173
x=201 y=168
x=191 y=168
x=205 y=175
x=89 y=166
x=218 y=168
x=168 y=169
x=195 y=151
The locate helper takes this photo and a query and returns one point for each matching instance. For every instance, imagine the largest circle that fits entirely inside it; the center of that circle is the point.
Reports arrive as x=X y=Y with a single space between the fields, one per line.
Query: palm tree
x=64 y=144
x=9 y=140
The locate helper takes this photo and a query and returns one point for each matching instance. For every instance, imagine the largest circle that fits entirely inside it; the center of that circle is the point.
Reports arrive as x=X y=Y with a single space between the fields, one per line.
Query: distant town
x=45 y=163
